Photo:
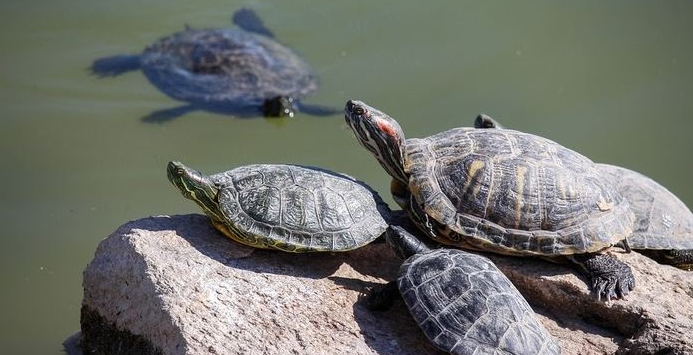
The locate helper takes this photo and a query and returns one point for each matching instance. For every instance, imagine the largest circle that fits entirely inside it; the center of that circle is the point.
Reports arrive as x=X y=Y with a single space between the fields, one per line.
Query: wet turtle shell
x=662 y=220
x=226 y=67
x=234 y=70
x=286 y=207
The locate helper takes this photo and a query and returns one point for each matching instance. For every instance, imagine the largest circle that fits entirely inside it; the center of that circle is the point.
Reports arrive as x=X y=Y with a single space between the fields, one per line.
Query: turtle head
x=403 y=243
x=195 y=186
x=380 y=134
x=279 y=106
x=486 y=121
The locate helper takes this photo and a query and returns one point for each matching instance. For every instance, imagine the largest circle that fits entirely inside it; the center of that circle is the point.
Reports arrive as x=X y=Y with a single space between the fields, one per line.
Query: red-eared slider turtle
x=286 y=207
x=503 y=191
x=664 y=224
x=461 y=301
x=236 y=70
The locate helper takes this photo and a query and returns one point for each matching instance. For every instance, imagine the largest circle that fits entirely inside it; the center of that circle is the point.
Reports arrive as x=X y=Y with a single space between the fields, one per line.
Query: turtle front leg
x=610 y=277
x=382 y=298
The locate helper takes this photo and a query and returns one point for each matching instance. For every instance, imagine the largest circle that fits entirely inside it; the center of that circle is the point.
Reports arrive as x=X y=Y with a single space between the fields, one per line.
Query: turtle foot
x=610 y=277
x=383 y=297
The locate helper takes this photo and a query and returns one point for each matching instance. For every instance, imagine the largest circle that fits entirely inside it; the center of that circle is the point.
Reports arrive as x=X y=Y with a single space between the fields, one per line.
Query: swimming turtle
x=235 y=70
x=286 y=207
x=664 y=224
x=461 y=301
x=503 y=191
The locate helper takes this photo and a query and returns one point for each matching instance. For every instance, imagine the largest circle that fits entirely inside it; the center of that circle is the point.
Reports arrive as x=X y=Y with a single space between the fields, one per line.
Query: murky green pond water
x=613 y=80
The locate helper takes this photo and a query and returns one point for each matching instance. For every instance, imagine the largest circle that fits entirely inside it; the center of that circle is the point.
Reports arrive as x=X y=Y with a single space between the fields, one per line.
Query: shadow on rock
x=198 y=231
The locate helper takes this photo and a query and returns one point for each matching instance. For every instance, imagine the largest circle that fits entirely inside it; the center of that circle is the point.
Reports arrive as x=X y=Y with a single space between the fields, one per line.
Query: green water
x=613 y=80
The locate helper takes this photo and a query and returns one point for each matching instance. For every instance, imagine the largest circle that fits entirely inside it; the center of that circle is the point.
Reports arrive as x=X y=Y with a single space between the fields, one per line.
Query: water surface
x=613 y=80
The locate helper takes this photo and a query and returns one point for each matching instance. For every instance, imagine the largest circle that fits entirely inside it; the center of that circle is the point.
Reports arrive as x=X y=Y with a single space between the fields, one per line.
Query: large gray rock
x=173 y=285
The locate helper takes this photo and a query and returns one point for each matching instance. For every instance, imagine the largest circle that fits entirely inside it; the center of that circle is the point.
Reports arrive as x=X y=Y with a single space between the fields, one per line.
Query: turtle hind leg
x=168 y=114
x=383 y=297
x=682 y=259
x=610 y=277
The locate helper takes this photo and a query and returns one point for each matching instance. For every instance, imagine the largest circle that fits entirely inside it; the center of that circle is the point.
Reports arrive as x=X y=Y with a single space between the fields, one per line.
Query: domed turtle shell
x=286 y=207
x=226 y=66
x=663 y=227
x=514 y=193
x=662 y=220
x=465 y=305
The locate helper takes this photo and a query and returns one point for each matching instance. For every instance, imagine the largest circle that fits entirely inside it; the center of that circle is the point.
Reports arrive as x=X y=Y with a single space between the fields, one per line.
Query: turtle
x=664 y=225
x=461 y=301
x=240 y=71
x=503 y=191
x=290 y=208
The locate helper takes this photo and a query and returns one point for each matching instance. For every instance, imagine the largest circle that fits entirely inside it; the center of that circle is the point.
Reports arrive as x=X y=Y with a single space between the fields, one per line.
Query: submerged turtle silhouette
x=241 y=71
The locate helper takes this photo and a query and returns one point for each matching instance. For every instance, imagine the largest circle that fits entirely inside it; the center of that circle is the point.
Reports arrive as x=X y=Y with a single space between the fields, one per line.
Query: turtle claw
x=610 y=277
x=615 y=285
x=611 y=287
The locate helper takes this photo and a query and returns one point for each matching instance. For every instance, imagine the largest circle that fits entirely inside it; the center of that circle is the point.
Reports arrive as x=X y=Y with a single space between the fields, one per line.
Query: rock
x=173 y=285
x=655 y=318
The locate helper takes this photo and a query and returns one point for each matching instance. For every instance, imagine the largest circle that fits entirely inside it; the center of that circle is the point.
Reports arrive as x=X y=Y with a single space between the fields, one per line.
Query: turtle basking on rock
x=503 y=191
x=286 y=207
x=241 y=71
x=664 y=225
x=462 y=302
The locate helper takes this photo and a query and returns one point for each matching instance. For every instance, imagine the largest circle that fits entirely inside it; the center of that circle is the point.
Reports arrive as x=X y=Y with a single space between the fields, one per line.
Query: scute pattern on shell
x=513 y=193
x=226 y=66
x=443 y=290
x=662 y=220
x=298 y=208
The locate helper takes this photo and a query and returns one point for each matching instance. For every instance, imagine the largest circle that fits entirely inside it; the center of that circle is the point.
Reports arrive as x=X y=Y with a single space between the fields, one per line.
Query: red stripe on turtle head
x=387 y=128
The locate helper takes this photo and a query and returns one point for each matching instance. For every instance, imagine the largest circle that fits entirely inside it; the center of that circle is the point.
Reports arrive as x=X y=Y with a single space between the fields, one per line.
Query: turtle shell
x=299 y=209
x=225 y=66
x=512 y=193
x=662 y=221
x=465 y=305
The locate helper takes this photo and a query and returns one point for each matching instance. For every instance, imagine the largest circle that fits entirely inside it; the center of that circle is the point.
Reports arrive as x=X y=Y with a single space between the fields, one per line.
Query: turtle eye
x=355 y=108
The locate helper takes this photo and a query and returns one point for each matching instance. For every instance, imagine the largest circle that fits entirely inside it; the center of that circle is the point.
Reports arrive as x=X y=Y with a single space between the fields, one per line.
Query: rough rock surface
x=173 y=285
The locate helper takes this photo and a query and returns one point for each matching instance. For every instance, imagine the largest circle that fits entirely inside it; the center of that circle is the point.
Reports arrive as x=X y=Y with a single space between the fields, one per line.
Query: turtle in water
x=664 y=224
x=462 y=302
x=240 y=71
x=503 y=191
x=286 y=207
